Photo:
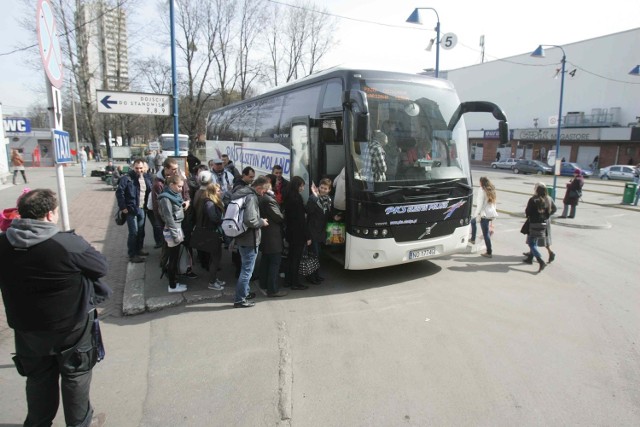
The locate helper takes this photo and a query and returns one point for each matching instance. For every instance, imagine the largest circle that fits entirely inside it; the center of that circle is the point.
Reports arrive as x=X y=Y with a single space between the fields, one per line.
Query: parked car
x=504 y=164
x=567 y=169
x=621 y=172
x=532 y=166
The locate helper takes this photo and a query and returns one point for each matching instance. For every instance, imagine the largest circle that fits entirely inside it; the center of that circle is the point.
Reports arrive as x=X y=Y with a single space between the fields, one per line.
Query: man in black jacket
x=48 y=294
x=132 y=192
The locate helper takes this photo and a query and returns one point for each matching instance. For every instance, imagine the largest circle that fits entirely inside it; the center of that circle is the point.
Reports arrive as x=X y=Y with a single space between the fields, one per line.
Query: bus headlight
x=385 y=232
x=365 y=231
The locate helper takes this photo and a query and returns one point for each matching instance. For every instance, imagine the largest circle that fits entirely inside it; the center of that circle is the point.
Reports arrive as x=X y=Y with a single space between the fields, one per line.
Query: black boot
x=552 y=256
x=528 y=259
x=542 y=264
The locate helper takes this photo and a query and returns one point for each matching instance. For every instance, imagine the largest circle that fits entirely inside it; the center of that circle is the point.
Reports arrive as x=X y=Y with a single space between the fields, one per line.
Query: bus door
x=300 y=138
x=330 y=152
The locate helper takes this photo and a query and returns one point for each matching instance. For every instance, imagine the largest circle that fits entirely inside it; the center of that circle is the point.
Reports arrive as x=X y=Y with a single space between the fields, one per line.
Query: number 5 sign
x=448 y=41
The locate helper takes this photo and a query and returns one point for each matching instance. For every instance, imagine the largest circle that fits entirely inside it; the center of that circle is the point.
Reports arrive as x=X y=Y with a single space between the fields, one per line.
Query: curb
x=133 y=298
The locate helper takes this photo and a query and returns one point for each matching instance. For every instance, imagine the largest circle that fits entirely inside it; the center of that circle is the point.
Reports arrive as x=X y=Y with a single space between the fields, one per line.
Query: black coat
x=317 y=219
x=574 y=185
x=295 y=219
x=272 y=234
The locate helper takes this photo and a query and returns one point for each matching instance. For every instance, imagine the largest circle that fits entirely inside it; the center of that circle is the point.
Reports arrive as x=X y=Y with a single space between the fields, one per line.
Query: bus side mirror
x=356 y=101
x=503 y=128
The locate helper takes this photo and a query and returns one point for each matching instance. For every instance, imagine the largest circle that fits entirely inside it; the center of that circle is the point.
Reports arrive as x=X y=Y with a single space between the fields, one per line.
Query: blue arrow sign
x=105 y=101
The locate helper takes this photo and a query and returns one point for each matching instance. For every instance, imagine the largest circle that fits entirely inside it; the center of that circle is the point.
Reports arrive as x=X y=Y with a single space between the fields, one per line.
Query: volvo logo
x=427 y=231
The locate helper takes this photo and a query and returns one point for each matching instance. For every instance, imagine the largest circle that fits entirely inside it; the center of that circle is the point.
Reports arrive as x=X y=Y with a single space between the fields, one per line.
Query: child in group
x=318 y=212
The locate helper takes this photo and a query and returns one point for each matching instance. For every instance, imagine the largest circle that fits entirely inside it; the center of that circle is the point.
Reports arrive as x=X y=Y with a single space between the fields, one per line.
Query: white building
x=601 y=103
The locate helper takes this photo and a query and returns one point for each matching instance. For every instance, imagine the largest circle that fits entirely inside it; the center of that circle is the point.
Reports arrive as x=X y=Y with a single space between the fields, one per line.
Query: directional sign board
x=61 y=146
x=150 y=104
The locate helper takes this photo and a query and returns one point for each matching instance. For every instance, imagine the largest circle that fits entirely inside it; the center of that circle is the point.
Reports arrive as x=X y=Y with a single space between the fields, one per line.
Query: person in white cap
x=222 y=177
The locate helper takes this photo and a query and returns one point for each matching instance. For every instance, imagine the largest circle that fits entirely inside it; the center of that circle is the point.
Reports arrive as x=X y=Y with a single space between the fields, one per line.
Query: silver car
x=620 y=172
x=504 y=164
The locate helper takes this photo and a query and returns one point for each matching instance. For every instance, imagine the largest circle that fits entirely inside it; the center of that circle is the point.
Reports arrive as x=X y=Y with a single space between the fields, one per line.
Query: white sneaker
x=216 y=286
x=179 y=288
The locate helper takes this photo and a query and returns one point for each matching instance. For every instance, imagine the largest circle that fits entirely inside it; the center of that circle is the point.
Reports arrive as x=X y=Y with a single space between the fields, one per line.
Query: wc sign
x=17 y=125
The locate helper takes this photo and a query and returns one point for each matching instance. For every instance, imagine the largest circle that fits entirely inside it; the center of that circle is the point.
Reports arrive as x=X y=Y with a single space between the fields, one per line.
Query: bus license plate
x=420 y=253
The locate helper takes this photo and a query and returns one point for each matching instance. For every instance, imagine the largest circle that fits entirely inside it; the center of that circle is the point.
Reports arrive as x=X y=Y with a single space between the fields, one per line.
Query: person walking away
x=281 y=186
x=49 y=294
x=18 y=165
x=249 y=241
x=486 y=211
x=151 y=161
x=546 y=241
x=82 y=157
x=538 y=211
x=158 y=160
x=271 y=242
x=132 y=192
x=296 y=231
x=318 y=212
x=209 y=211
x=572 y=194
x=171 y=208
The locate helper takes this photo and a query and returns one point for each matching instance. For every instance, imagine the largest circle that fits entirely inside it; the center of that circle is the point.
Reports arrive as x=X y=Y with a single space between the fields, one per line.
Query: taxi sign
x=61 y=146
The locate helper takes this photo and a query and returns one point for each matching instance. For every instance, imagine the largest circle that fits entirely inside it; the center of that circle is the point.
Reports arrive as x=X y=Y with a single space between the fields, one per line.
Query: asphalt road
x=459 y=341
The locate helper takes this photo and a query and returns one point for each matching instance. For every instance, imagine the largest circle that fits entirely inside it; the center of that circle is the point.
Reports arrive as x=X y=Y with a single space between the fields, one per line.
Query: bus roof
x=345 y=72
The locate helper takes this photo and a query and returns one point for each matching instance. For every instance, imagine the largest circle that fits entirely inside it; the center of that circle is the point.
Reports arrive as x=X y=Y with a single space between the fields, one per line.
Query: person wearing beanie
x=572 y=195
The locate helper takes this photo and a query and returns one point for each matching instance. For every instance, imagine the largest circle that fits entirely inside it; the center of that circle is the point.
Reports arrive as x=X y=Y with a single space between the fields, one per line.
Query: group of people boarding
x=278 y=222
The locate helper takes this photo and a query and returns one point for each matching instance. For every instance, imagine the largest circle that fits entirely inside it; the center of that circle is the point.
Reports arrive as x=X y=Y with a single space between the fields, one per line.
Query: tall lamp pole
x=414 y=18
x=539 y=53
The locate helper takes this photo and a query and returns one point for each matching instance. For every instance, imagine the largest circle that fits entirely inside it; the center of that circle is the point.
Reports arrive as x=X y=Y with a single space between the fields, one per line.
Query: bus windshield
x=410 y=143
x=168 y=144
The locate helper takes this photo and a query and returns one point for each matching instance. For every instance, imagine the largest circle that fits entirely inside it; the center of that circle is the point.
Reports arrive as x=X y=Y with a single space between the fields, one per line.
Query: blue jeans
x=135 y=223
x=83 y=168
x=248 y=254
x=484 y=225
x=533 y=245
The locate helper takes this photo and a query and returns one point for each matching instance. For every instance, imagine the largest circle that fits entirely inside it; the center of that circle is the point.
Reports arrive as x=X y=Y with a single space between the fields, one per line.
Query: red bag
x=6 y=216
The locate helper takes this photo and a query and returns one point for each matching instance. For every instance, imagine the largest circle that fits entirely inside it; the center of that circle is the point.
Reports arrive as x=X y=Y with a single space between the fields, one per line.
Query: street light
x=539 y=53
x=415 y=19
x=635 y=71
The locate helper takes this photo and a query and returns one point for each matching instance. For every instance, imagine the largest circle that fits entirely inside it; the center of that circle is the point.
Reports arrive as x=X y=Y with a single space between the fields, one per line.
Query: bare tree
x=298 y=41
x=252 y=17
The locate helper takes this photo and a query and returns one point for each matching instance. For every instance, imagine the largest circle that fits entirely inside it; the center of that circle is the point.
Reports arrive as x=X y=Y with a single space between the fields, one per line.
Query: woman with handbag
x=297 y=233
x=538 y=211
x=487 y=212
x=206 y=234
x=546 y=240
x=171 y=207
x=572 y=195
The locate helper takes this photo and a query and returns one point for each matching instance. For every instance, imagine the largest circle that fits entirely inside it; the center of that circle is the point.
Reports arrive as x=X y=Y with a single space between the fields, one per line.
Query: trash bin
x=550 y=192
x=629 y=194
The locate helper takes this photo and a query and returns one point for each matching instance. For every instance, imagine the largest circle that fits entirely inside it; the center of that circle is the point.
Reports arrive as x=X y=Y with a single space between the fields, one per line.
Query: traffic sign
x=57 y=107
x=149 y=104
x=49 y=44
x=61 y=146
x=448 y=41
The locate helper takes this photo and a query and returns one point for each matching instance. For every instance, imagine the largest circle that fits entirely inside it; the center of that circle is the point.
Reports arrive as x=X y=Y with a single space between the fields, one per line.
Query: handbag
x=309 y=263
x=575 y=194
x=490 y=211
x=525 y=227
x=335 y=233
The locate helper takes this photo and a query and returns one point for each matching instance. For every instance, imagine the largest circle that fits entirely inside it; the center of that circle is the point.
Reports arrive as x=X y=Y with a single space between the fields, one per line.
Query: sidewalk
x=146 y=291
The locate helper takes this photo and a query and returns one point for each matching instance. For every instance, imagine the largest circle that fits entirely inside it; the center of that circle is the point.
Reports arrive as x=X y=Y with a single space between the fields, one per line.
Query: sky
x=374 y=33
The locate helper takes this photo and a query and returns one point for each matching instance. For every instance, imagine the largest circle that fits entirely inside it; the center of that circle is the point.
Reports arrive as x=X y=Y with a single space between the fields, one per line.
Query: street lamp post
x=415 y=19
x=539 y=53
